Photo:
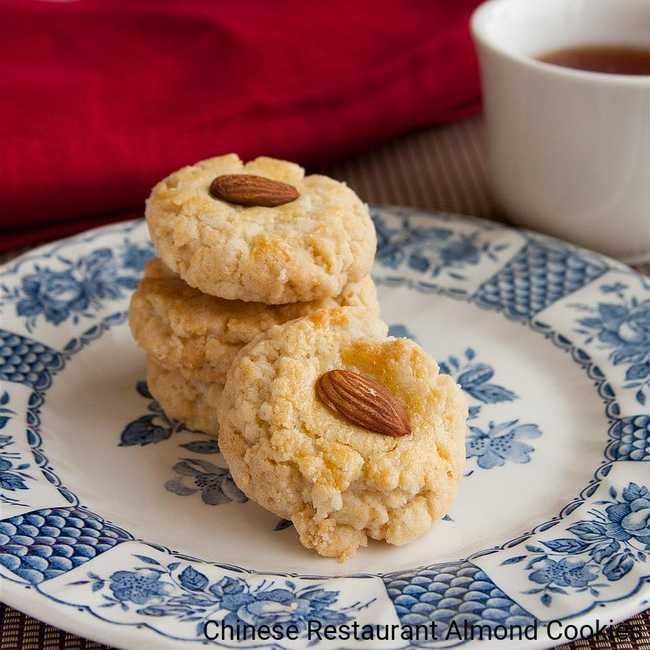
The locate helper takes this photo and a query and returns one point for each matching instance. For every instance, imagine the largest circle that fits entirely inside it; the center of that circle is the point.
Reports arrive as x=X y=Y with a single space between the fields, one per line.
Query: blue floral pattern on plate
x=495 y=444
x=79 y=288
x=214 y=483
x=178 y=590
x=432 y=250
x=603 y=547
x=502 y=442
x=151 y=428
x=624 y=328
x=12 y=477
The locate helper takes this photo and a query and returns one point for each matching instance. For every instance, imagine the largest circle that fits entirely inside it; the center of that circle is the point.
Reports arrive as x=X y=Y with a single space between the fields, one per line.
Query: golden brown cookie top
x=306 y=249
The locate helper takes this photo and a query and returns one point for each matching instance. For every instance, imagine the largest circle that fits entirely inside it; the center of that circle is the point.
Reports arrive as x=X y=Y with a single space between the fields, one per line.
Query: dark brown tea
x=602 y=58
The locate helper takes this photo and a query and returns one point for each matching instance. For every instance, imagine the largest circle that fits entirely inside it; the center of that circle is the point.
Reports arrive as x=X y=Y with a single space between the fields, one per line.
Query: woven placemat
x=442 y=168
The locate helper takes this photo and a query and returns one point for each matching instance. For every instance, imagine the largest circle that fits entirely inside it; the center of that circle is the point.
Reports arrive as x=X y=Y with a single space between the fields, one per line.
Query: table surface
x=442 y=168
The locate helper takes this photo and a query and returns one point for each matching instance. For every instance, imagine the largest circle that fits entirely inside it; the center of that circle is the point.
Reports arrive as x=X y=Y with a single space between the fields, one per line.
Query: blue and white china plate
x=123 y=526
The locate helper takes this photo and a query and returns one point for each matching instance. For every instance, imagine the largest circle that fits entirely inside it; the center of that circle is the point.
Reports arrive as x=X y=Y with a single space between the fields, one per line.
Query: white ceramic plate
x=125 y=527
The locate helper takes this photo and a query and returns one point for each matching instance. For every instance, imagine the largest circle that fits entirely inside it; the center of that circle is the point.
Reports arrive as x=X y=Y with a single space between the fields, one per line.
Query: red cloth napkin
x=101 y=98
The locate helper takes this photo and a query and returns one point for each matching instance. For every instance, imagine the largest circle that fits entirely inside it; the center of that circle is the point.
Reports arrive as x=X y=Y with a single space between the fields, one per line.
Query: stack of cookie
x=261 y=323
x=236 y=258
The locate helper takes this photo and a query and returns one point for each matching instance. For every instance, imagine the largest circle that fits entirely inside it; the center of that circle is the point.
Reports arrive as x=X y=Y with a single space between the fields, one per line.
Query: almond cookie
x=193 y=402
x=299 y=454
x=200 y=335
x=305 y=249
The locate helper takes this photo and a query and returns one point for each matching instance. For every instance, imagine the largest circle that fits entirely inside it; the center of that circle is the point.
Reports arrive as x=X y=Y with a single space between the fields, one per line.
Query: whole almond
x=364 y=402
x=251 y=190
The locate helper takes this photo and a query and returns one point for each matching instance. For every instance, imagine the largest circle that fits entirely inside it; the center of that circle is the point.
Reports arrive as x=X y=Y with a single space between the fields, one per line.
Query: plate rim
x=87 y=236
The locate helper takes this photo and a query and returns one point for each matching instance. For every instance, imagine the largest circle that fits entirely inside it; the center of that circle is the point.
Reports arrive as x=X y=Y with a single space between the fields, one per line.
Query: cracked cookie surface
x=337 y=482
x=200 y=335
x=304 y=250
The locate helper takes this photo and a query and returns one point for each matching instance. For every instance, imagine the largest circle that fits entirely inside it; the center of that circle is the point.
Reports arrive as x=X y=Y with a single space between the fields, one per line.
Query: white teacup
x=569 y=150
